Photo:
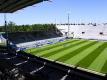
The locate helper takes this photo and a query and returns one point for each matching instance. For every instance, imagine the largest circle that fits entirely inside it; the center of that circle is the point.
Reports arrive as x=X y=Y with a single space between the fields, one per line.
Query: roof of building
x=10 y=6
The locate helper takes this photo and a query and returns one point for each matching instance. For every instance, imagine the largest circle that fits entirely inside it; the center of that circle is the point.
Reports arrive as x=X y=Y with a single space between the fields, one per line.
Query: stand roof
x=10 y=6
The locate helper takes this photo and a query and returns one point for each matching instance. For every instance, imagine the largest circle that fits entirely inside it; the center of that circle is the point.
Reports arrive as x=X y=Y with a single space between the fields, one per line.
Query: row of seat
x=40 y=43
x=34 y=67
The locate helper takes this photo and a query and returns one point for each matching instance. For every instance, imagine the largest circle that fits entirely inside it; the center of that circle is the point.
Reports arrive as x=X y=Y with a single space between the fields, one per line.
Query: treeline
x=12 y=27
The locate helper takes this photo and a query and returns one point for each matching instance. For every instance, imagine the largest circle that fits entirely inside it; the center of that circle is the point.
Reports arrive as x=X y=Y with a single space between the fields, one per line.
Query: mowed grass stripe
x=67 y=51
x=63 y=47
x=51 y=49
x=74 y=60
x=86 y=62
x=99 y=61
x=57 y=44
x=45 y=47
x=37 y=50
x=76 y=52
x=46 y=52
x=104 y=68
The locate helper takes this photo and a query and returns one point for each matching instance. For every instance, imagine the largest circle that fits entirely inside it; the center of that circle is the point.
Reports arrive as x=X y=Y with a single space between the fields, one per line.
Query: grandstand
x=39 y=43
x=86 y=31
x=33 y=38
x=49 y=55
x=22 y=37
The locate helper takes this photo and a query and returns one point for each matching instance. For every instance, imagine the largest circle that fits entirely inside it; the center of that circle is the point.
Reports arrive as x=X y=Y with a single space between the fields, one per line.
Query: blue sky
x=57 y=10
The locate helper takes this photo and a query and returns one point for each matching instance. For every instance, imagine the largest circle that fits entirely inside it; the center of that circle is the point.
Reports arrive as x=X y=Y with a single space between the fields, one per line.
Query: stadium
x=51 y=51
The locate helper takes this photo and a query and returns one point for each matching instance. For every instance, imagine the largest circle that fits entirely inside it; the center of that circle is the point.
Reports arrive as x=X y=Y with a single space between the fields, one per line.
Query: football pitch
x=87 y=54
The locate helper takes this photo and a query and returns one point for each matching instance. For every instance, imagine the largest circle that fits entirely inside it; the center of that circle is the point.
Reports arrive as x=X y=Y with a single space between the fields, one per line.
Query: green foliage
x=12 y=27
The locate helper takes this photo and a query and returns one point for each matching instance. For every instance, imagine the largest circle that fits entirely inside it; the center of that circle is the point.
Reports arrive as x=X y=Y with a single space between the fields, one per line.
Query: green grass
x=83 y=53
x=92 y=56
x=37 y=50
x=75 y=52
x=104 y=68
x=62 y=48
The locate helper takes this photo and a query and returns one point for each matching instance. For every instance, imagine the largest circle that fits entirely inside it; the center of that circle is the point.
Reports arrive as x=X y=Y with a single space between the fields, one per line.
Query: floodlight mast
x=6 y=31
x=68 y=24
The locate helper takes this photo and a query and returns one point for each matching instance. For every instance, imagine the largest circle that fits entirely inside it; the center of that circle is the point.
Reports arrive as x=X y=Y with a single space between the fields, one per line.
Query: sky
x=56 y=12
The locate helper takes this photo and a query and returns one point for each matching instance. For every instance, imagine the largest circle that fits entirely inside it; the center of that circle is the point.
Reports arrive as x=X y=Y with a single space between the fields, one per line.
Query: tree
x=11 y=24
